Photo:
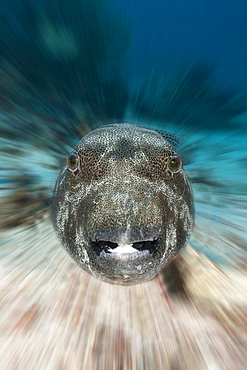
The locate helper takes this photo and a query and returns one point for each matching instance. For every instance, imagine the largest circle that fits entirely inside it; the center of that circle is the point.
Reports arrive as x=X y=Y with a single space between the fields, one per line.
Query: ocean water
x=67 y=67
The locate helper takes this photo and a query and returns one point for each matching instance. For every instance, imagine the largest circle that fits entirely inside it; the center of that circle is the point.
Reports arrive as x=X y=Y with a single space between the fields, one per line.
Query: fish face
x=123 y=205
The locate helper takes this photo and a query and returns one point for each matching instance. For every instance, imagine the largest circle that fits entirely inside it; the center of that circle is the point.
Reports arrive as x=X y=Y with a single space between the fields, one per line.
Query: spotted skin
x=123 y=192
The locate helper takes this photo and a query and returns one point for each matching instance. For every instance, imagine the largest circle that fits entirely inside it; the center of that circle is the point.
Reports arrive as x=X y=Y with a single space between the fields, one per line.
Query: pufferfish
x=123 y=205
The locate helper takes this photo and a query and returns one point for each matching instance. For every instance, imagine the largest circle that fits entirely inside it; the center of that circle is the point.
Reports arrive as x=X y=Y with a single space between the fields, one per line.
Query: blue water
x=172 y=34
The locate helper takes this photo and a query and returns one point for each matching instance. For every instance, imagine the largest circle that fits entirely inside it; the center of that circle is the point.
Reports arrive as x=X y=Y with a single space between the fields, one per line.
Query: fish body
x=123 y=205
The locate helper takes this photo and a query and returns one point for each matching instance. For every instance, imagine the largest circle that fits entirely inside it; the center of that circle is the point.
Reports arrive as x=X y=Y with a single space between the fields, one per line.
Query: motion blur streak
x=67 y=67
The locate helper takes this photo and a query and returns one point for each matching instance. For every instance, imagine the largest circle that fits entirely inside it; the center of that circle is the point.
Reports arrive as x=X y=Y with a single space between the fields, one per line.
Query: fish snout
x=125 y=216
x=125 y=224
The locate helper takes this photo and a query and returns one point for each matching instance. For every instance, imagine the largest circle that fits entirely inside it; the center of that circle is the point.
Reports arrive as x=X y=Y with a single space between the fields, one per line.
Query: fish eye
x=174 y=164
x=72 y=161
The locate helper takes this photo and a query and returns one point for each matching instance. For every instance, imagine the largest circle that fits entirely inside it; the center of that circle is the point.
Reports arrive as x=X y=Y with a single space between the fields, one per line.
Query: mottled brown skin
x=123 y=191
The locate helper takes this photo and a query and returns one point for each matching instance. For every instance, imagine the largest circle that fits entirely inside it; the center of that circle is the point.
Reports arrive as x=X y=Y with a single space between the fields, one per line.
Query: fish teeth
x=123 y=248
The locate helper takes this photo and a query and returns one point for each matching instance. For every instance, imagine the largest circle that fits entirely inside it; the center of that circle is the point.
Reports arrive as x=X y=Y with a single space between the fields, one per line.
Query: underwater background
x=67 y=67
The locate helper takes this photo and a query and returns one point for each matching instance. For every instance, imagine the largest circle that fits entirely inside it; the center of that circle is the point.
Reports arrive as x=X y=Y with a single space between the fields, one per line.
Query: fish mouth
x=108 y=249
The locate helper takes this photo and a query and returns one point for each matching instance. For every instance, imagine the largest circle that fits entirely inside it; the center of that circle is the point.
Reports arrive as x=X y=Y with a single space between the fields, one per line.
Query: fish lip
x=125 y=236
x=105 y=249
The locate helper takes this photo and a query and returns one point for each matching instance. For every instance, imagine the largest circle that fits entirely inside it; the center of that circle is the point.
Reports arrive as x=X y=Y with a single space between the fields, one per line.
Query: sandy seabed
x=55 y=316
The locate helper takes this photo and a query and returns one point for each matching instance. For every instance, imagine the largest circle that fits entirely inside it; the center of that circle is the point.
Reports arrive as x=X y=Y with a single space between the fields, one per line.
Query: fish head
x=123 y=205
